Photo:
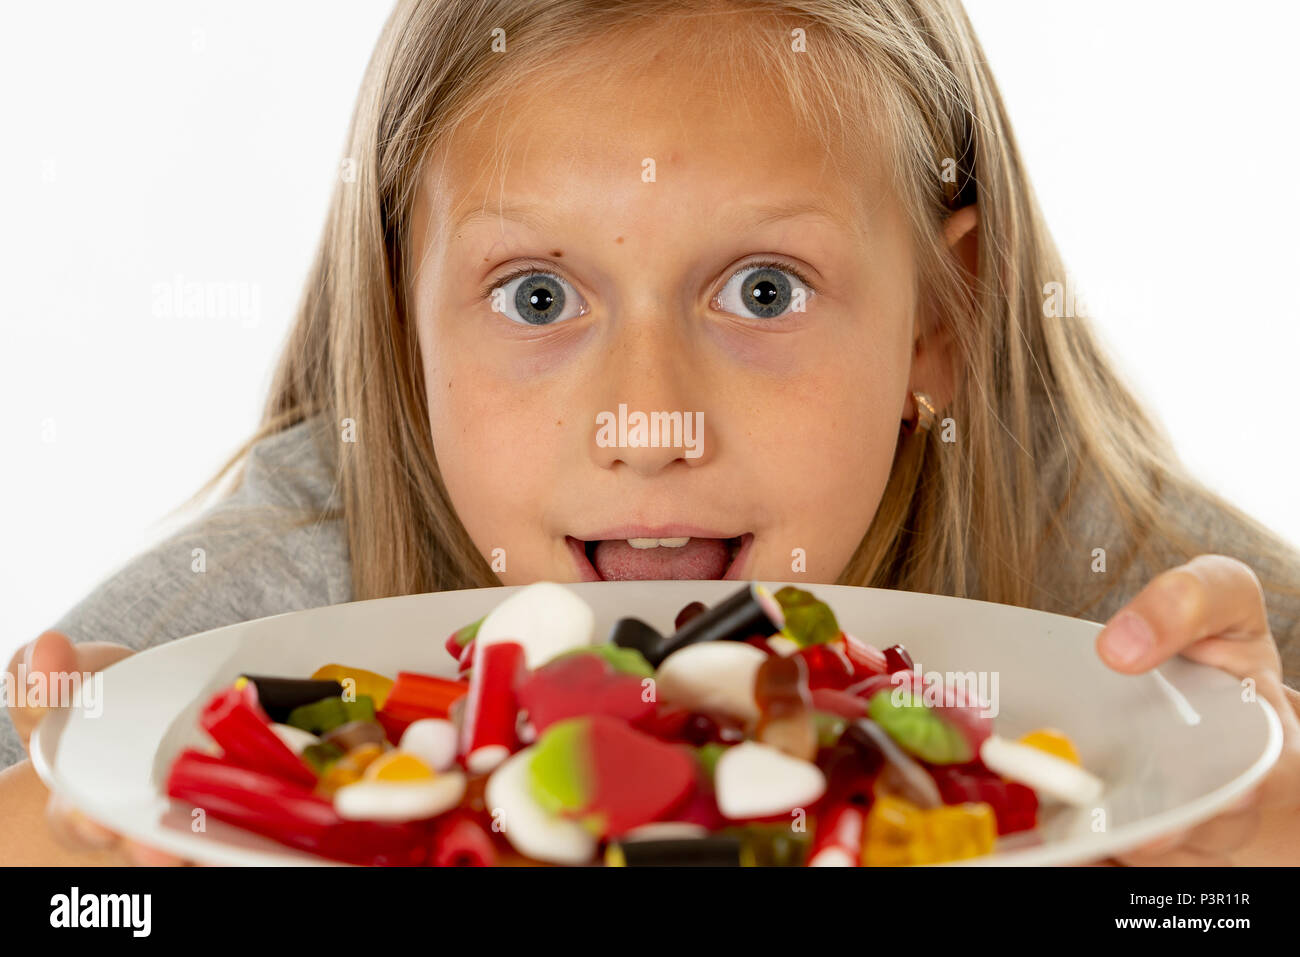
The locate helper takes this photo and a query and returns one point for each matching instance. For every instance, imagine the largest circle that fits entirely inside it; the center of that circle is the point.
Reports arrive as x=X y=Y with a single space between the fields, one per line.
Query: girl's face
x=674 y=251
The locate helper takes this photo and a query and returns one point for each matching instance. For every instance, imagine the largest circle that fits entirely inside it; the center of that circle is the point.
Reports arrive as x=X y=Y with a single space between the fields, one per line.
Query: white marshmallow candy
x=712 y=676
x=531 y=830
x=432 y=740
x=546 y=618
x=1047 y=774
x=756 y=780
x=369 y=800
x=295 y=739
x=783 y=646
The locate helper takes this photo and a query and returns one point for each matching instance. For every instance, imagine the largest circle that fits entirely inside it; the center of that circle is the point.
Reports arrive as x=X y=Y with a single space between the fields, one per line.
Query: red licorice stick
x=867 y=659
x=235 y=720
x=488 y=729
x=294 y=816
x=416 y=696
x=460 y=841
x=838 y=702
x=840 y=828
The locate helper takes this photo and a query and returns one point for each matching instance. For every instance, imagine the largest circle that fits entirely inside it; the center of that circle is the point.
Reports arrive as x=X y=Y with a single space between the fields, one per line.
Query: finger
x=51 y=651
x=1210 y=597
x=1179 y=857
x=75 y=830
x=53 y=655
x=142 y=855
x=1224 y=833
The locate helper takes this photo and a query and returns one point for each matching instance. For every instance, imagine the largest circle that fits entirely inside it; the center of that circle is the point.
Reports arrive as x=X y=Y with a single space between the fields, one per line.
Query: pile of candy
x=758 y=732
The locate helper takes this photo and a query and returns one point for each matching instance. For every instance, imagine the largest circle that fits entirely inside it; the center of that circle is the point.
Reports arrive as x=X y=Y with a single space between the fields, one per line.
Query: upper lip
x=655 y=531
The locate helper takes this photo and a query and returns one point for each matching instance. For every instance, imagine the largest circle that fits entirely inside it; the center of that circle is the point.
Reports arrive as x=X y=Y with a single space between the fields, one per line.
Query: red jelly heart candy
x=579 y=685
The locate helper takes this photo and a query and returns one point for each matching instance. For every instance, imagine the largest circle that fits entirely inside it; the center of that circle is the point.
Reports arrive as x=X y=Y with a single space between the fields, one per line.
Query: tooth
x=658 y=542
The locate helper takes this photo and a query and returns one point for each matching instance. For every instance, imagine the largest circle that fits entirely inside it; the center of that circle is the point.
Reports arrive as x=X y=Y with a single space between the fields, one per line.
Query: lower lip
x=588 y=572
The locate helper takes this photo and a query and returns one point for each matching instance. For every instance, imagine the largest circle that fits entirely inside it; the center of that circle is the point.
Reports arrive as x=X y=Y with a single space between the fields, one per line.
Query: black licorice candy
x=636 y=634
x=279 y=696
x=751 y=611
x=714 y=851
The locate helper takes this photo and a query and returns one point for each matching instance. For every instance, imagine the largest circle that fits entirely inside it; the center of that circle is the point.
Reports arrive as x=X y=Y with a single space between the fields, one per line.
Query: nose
x=652 y=417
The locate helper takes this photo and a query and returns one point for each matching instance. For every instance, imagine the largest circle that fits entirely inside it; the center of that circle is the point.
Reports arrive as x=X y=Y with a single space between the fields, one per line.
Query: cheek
x=497 y=442
x=828 y=446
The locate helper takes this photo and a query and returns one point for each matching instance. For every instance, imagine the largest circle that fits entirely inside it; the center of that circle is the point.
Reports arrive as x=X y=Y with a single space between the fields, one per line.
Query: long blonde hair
x=968 y=518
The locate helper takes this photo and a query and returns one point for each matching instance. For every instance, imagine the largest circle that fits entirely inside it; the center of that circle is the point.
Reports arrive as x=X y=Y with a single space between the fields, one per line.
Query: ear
x=933 y=356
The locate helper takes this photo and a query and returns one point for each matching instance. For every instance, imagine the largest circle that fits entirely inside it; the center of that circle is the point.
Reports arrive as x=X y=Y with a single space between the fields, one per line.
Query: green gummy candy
x=323 y=716
x=808 y=620
x=557 y=773
x=708 y=754
x=468 y=633
x=829 y=728
x=321 y=755
x=918 y=730
x=626 y=660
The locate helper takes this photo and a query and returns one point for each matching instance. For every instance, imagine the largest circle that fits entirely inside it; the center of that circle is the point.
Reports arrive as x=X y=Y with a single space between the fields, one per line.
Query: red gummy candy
x=1014 y=805
x=828 y=667
x=635 y=778
x=583 y=684
x=693 y=610
x=666 y=722
x=897 y=659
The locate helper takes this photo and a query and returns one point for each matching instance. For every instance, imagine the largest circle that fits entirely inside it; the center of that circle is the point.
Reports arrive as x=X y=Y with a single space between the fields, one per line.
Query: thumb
x=52 y=655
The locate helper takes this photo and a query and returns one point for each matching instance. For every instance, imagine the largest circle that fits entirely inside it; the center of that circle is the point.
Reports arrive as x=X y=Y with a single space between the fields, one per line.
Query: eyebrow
x=535 y=218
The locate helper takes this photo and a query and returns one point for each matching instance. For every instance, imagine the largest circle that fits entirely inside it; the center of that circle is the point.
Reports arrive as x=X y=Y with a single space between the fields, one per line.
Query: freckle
x=559 y=421
x=557 y=253
x=485 y=259
x=619 y=239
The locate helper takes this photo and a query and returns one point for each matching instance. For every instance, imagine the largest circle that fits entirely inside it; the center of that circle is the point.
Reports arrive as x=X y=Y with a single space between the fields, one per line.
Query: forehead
x=705 y=138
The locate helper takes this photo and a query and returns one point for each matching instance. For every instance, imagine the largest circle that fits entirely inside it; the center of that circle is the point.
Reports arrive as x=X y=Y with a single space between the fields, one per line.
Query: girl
x=805 y=223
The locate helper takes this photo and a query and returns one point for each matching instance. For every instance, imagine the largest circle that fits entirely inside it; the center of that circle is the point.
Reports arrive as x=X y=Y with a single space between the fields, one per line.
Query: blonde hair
x=968 y=518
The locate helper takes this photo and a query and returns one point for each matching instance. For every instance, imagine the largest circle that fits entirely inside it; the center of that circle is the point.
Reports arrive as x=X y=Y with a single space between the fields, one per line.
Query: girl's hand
x=1211 y=610
x=53 y=654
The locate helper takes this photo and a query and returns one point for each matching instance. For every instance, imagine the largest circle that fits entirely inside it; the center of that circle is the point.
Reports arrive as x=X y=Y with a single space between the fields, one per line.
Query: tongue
x=700 y=558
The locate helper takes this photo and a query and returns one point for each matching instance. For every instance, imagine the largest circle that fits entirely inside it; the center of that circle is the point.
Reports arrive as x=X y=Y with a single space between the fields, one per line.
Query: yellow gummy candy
x=1053 y=742
x=365 y=682
x=398 y=766
x=895 y=834
x=901 y=834
x=960 y=831
x=349 y=768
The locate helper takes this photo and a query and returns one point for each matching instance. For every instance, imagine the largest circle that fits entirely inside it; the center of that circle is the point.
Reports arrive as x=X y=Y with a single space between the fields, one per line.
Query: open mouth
x=663 y=558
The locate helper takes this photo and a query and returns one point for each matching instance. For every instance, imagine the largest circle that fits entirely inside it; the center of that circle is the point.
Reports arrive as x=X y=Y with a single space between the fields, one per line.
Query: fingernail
x=28 y=649
x=1128 y=639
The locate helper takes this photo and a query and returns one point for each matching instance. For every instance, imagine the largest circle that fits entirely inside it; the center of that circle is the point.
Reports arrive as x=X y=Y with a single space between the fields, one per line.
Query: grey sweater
x=236 y=562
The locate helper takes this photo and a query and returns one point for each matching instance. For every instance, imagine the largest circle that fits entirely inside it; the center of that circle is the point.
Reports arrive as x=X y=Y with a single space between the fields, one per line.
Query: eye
x=535 y=298
x=765 y=290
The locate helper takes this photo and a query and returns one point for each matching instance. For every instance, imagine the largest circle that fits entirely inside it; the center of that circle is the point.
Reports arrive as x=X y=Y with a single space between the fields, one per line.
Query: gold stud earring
x=925 y=413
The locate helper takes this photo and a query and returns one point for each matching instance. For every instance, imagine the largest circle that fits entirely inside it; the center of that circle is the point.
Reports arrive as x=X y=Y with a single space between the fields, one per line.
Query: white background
x=151 y=140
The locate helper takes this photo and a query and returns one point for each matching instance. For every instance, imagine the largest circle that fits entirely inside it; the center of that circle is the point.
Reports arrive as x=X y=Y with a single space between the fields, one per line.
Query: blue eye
x=535 y=298
x=765 y=290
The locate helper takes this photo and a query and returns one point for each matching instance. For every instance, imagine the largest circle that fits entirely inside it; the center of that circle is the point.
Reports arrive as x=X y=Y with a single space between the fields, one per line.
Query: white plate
x=1172 y=749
